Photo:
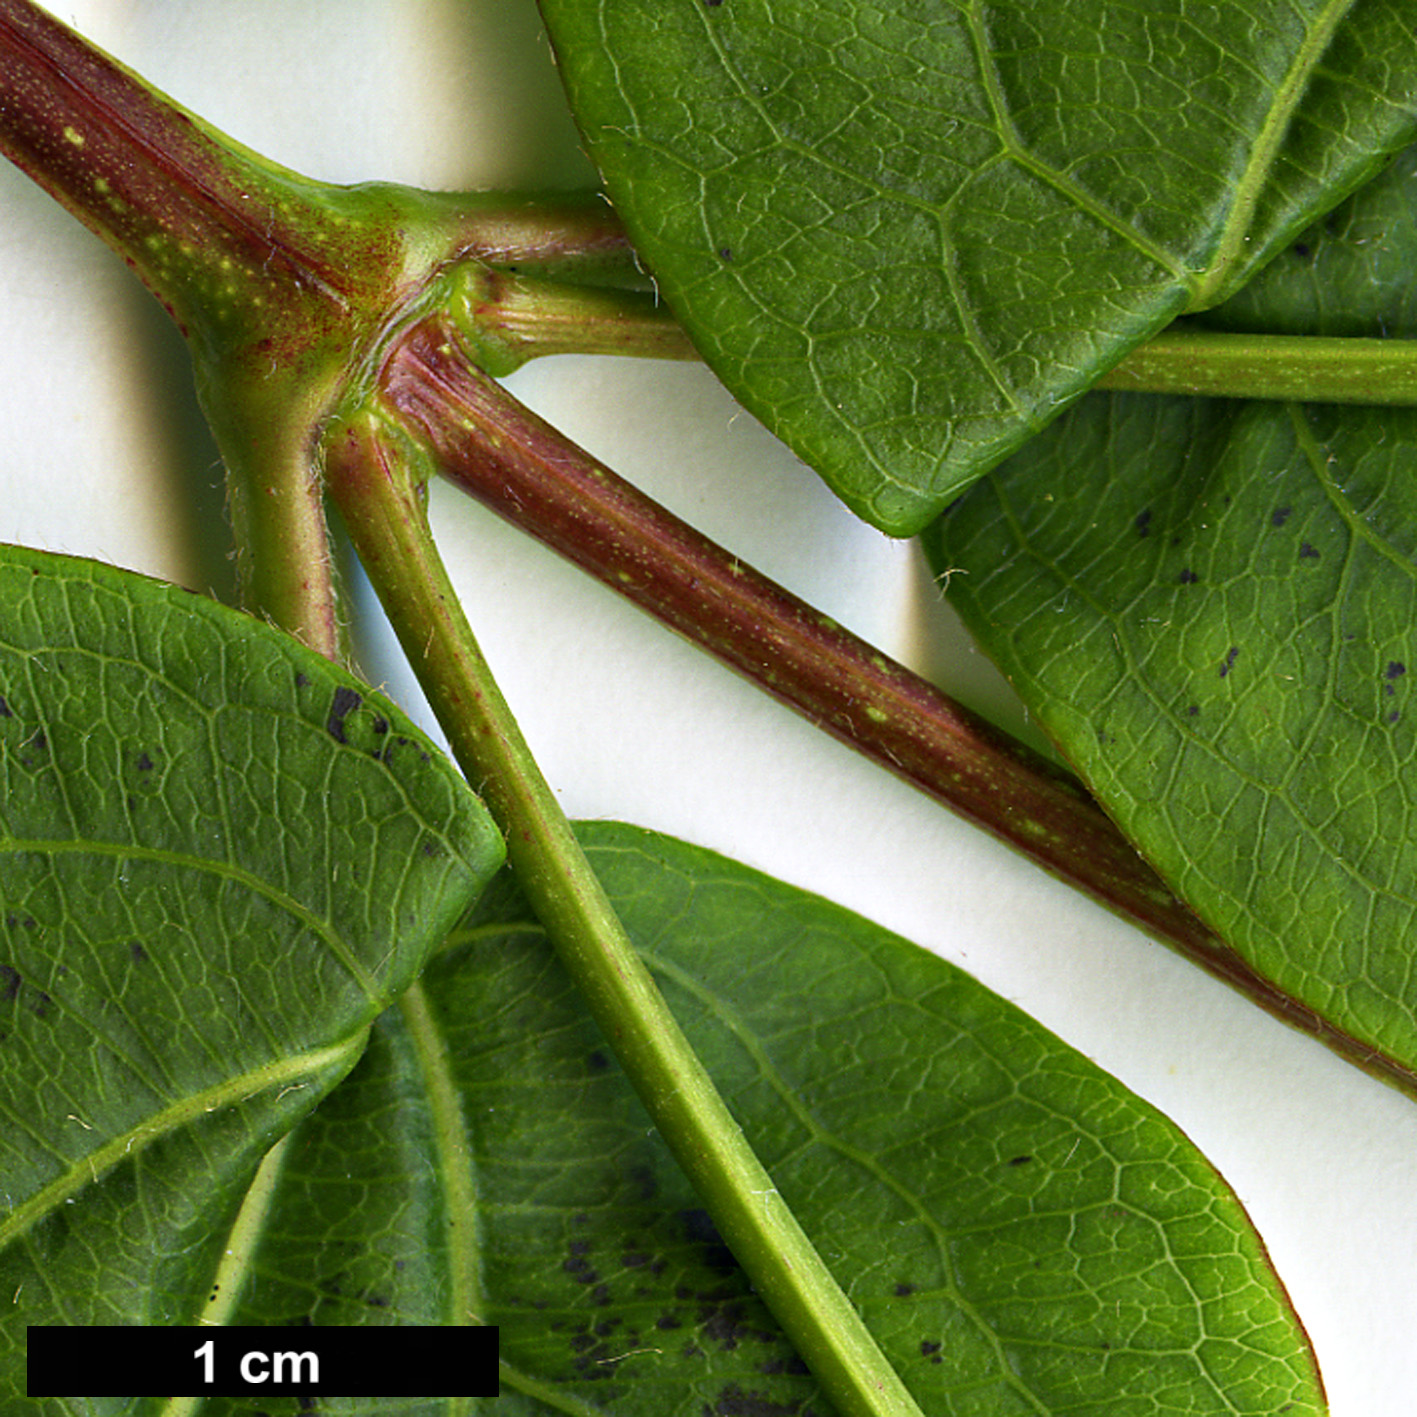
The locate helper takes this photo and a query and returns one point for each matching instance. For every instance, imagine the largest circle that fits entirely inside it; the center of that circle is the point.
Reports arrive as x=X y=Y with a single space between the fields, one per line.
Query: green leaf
x=1209 y=606
x=1347 y=276
x=1022 y=1233
x=907 y=235
x=221 y=858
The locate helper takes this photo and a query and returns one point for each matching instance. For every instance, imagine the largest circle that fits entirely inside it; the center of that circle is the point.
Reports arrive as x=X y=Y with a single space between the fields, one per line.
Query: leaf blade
x=1252 y=756
x=183 y=977
x=906 y=239
x=1207 y=604
x=893 y=1097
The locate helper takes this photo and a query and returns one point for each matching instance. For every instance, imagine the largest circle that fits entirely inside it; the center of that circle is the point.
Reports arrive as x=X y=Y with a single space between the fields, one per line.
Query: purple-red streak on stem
x=502 y=454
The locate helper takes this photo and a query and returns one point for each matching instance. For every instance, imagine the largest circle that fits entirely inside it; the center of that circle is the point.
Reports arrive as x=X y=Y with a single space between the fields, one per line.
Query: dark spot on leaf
x=793 y=1365
x=721 y=1325
x=10 y=982
x=145 y=763
x=646 y=1185
x=1279 y=516
x=1229 y=661
x=1019 y=1160
x=927 y=1348
x=667 y=1321
x=598 y=1061
x=901 y=1290
x=1143 y=522
x=607 y=1326
x=600 y=1296
x=344 y=703
x=1188 y=577
x=381 y=726
x=1308 y=553
x=699 y=1229
x=1193 y=711
x=5 y=709
x=1393 y=716
x=734 y=1402
x=40 y=1004
x=725 y=253
x=580 y=1247
x=634 y=1259
x=1395 y=670
x=138 y=953
x=301 y=680
x=1301 y=250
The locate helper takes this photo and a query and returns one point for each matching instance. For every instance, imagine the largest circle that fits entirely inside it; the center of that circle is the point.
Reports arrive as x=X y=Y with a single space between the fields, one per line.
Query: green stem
x=573 y=236
x=508 y=319
x=491 y=447
x=383 y=507
x=1218 y=364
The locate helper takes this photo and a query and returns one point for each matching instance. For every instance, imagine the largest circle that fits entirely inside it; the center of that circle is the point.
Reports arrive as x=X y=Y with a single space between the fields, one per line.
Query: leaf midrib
x=226 y=871
x=231 y=1092
x=456 y=1165
x=1235 y=232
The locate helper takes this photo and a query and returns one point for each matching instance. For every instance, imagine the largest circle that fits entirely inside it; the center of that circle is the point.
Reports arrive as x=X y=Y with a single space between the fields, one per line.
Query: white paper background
x=101 y=450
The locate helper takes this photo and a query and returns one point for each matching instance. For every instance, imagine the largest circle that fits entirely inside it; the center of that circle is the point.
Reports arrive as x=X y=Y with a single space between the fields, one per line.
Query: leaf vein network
x=1132 y=661
x=729 y=1019
x=223 y=869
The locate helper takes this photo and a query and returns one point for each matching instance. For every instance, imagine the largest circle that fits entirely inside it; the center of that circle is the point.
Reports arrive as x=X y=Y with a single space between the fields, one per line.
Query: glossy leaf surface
x=1022 y=1233
x=906 y=235
x=1210 y=607
x=220 y=859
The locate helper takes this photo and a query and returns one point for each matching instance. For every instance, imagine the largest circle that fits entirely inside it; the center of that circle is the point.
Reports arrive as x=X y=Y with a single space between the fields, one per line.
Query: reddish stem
x=138 y=170
x=493 y=448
